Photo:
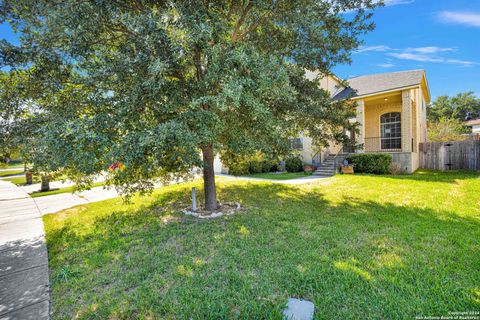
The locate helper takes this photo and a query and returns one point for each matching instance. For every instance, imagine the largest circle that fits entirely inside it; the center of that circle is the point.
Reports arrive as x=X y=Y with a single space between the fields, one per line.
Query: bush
x=256 y=163
x=370 y=163
x=395 y=168
x=239 y=168
x=294 y=164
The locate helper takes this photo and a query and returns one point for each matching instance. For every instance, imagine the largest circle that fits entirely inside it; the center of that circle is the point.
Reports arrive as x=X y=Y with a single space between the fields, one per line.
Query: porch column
x=406 y=121
x=361 y=122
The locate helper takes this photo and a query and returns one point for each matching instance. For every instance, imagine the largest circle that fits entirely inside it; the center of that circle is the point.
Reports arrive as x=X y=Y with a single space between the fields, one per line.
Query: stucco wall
x=307 y=152
x=328 y=83
x=372 y=120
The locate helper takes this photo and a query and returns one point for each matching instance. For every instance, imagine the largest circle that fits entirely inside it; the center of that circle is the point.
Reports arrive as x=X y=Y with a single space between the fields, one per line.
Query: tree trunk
x=45 y=183
x=28 y=177
x=209 y=179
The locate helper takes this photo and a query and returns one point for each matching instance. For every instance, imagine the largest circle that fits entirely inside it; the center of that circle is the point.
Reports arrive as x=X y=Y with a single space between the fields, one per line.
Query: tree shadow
x=423 y=175
x=352 y=258
x=24 y=290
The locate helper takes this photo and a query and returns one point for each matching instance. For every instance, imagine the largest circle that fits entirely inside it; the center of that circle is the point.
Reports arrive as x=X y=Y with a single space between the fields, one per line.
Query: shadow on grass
x=423 y=175
x=352 y=259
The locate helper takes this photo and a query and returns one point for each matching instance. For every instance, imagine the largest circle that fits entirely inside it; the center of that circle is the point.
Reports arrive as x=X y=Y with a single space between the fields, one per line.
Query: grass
x=21 y=180
x=12 y=164
x=280 y=176
x=7 y=173
x=359 y=246
x=71 y=189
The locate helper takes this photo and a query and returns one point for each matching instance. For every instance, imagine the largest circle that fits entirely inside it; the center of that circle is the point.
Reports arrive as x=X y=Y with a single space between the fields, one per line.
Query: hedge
x=256 y=163
x=370 y=162
x=294 y=164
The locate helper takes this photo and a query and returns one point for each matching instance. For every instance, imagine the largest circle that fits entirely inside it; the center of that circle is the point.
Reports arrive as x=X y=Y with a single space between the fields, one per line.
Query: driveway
x=24 y=289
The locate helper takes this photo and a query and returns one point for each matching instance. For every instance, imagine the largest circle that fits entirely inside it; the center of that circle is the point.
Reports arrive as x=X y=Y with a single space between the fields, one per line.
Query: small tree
x=446 y=130
x=154 y=84
x=23 y=125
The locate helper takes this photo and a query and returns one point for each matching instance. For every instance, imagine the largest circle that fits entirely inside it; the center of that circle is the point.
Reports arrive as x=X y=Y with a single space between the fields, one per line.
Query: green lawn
x=37 y=194
x=12 y=164
x=280 y=176
x=7 y=173
x=21 y=180
x=377 y=247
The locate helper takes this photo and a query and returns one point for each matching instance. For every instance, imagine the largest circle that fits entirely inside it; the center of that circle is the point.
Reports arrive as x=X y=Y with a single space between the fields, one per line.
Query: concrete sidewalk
x=57 y=202
x=56 y=184
x=24 y=282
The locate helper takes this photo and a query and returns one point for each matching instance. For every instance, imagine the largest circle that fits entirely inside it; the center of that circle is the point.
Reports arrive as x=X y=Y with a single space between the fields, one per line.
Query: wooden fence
x=451 y=155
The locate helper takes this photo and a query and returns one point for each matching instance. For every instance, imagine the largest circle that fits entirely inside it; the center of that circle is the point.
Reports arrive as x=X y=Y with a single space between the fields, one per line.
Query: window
x=391 y=130
x=297 y=143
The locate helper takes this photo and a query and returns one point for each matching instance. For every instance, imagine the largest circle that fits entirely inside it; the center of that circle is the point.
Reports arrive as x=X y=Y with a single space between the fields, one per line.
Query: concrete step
x=325 y=171
x=327 y=167
x=324 y=174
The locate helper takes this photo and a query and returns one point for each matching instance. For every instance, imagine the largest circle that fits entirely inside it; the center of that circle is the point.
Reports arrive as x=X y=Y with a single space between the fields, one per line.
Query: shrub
x=370 y=163
x=294 y=164
x=308 y=168
x=394 y=168
x=239 y=168
x=256 y=163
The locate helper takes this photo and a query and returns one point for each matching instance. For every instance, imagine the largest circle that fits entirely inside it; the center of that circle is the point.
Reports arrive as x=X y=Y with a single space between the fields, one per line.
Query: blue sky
x=440 y=36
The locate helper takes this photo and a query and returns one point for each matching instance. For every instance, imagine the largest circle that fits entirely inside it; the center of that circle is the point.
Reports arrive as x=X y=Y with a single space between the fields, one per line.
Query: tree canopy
x=446 y=129
x=462 y=107
x=162 y=86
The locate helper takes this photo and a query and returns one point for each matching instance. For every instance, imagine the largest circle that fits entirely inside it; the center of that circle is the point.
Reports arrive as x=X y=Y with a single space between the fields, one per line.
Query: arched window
x=391 y=130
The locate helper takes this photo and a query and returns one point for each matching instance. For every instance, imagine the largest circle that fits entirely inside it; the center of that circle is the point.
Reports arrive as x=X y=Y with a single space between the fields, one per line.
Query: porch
x=388 y=123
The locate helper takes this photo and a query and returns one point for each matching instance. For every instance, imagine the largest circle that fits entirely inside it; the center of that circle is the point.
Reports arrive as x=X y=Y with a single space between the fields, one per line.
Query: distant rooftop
x=473 y=122
x=378 y=83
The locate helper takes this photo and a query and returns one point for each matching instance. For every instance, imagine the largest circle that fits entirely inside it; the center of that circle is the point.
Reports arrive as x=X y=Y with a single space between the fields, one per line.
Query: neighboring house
x=391 y=112
x=474 y=124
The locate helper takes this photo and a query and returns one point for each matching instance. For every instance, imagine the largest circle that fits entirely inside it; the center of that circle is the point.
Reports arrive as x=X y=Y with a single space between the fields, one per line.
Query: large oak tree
x=163 y=86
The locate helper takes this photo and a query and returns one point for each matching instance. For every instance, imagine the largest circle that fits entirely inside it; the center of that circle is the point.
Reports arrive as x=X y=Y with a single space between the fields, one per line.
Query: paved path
x=9 y=169
x=56 y=184
x=24 y=290
x=57 y=202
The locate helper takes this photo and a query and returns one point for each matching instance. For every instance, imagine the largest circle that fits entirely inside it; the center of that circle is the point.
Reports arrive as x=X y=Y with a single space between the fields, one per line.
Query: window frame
x=391 y=140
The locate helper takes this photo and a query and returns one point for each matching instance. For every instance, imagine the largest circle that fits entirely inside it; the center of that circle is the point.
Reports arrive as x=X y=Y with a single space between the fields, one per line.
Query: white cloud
x=432 y=54
x=429 y=50
x=414 y=56
x=464 y=63
x=373 y=48
x=386 y=65
x=431 y=58
x=466 y=18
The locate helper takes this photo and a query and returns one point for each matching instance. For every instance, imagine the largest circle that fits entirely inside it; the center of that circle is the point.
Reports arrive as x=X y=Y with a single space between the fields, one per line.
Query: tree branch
x=241 y=21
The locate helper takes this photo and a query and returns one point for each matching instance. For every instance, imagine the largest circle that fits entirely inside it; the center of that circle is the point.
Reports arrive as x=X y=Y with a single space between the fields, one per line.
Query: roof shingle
x=377 y=83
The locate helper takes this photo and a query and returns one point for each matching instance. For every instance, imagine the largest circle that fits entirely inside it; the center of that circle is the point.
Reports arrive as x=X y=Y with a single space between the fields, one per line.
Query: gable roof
x=382 y=82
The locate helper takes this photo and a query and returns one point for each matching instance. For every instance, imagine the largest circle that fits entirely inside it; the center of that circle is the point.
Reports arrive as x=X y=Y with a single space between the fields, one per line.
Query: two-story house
x=391 y=112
